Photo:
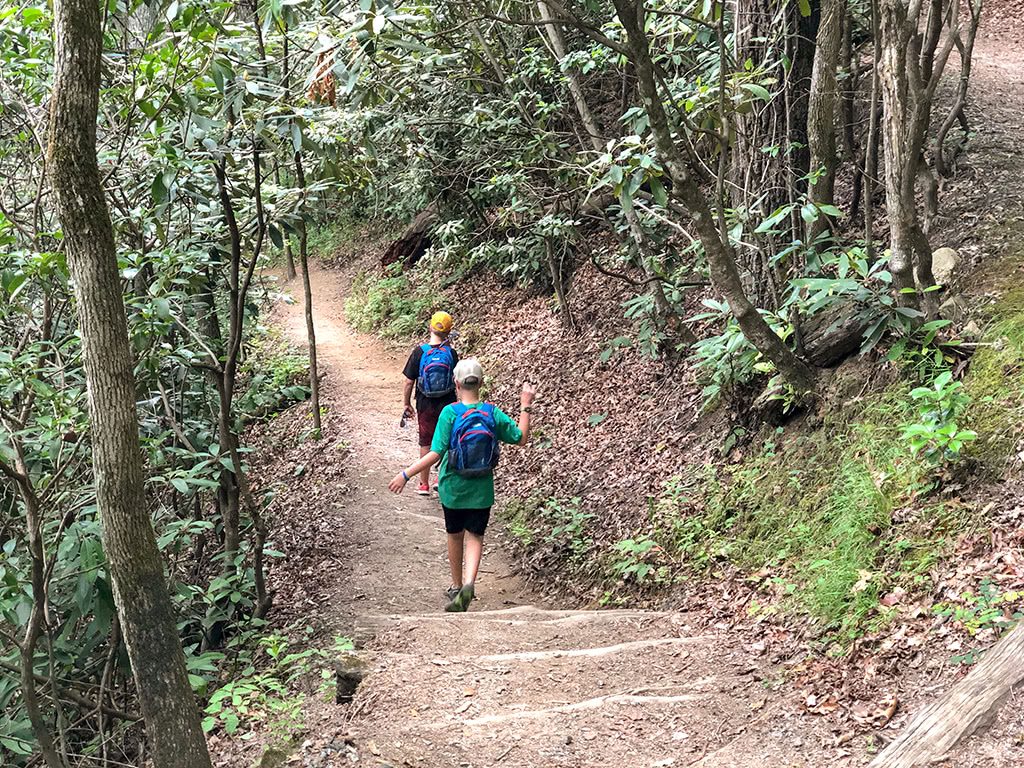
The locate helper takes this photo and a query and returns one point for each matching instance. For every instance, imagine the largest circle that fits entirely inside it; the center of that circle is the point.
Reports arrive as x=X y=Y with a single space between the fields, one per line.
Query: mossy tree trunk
x=150 y=633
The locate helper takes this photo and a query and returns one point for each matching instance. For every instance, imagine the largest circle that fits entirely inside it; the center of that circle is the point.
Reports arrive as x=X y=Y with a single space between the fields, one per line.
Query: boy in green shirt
x=466 y=485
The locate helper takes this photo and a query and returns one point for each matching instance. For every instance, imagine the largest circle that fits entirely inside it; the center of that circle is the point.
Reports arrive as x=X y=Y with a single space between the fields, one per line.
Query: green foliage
x=268 y=693
x=556 y=525
x=995 y=384
x=391 y=306
x=275 y=375
x=849 y=276
x=934 y=431
x=638 y=560
x=989 y=609
x=566 y=528
x=815 y=512
x=727 y=363
x=187 y=90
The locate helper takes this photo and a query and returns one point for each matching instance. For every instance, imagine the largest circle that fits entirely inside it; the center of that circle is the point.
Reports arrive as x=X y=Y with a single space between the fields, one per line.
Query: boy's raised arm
x=526 y=399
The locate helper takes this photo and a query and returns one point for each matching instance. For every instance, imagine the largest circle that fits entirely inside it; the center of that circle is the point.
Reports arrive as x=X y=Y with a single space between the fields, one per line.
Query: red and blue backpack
x=437 y=375
x=474 y=448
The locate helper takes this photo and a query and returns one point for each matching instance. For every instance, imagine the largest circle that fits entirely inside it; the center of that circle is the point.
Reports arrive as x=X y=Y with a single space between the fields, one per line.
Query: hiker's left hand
x=397 y=484
x=528 y=395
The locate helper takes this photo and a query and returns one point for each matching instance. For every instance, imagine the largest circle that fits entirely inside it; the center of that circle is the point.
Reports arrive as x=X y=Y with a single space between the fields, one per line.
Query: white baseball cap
x=468 y=372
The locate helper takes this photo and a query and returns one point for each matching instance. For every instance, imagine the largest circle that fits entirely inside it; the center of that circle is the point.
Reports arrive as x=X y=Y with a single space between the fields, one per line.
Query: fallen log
x=969 y=704
x=414 y=241
x=833 y=335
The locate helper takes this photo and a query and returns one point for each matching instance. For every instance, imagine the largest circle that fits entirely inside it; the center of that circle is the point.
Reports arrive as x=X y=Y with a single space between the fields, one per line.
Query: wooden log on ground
x=971 y=703
x=414 y=241
x=833 y=335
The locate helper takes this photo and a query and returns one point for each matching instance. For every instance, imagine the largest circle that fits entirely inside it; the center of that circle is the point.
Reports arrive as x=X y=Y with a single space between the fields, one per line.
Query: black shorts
x=472 y=520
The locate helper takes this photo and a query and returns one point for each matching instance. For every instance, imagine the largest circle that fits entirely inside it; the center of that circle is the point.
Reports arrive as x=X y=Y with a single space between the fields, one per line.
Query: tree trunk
x=911 y=65
x=414 y=242
x=870 y=168
x=940 y=727
x=289 y=259
x=957 y=113
x=901 y=149
x=554 y=33
x=140 y=590
x=722 y=266
x=307 y=292
x=37 y=618
x=821 y=121
x=770 y=159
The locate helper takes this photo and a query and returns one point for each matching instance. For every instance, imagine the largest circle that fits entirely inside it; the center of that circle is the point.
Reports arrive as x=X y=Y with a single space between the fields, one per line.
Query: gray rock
x=349 y=671
x=954 y=308
x=944 y=261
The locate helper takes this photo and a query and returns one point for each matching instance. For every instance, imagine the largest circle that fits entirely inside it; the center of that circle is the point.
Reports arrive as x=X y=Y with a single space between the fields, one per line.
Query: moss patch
x=995 y=383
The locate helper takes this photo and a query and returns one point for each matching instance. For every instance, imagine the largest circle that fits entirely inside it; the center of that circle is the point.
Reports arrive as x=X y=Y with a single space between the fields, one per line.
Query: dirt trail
x=395 y=561
x=510 y=683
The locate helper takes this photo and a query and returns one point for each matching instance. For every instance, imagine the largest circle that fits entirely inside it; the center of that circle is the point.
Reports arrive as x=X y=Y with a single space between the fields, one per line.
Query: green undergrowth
x=273 y=375
x=394 y=306
x=345 y=238
x=813 y=519
x=995 y=383
x=825 y=520
x=265 y=684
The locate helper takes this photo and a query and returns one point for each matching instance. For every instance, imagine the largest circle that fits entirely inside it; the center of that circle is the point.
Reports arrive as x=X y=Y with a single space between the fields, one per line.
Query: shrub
x=391 y=306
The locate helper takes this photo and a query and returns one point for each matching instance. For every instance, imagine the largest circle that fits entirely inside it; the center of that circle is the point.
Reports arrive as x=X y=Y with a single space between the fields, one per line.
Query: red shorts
x=426 y=420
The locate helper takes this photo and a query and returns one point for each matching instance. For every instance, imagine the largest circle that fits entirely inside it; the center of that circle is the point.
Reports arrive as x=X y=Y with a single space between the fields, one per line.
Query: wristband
x=405 y=476
x=526 y=409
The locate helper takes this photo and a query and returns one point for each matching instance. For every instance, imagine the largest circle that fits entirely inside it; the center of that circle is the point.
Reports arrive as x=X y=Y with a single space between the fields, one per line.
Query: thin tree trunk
x=34 y=629
x=289 y=259
x=895 y=31
x=871 y=144
x=307 y=292
x=554 y=33
x=140 y=590
x=910 y=69
x=722 y=266
x=822 y=108
x=966 y=47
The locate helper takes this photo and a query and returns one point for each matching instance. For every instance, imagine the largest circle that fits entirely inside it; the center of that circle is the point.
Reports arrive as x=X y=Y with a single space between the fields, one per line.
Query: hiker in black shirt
x=429 y=371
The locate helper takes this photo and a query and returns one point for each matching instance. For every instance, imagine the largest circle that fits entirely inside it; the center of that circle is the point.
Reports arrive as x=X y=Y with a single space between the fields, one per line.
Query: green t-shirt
x=467 y=492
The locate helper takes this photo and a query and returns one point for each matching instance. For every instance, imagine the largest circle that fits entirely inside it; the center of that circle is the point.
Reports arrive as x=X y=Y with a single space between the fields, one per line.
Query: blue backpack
x=436 y=377
x=474 y=448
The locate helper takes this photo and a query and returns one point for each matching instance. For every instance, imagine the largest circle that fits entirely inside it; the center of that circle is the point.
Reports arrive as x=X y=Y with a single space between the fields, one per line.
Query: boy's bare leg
x=455 y=557
x=474 y=552
x=425 y=474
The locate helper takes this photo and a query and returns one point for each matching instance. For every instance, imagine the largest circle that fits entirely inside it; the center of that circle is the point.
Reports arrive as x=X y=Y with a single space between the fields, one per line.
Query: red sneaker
x=423 y=490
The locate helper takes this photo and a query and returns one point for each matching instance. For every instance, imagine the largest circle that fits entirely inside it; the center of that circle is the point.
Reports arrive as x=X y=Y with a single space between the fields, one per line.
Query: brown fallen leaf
x=890 y=709
x=845 y=738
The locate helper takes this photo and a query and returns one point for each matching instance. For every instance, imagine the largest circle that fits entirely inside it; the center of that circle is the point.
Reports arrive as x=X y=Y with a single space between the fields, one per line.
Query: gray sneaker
x=451 y=593
x=461 y=601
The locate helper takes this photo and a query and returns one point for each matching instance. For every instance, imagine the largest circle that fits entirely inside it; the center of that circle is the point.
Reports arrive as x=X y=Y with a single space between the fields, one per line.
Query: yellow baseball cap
x=441 y=322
